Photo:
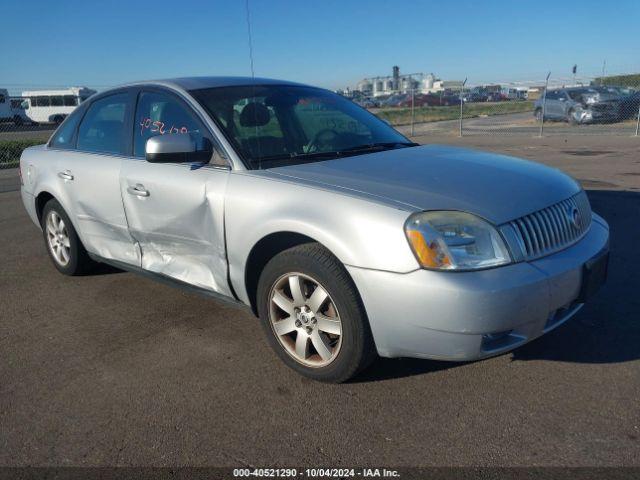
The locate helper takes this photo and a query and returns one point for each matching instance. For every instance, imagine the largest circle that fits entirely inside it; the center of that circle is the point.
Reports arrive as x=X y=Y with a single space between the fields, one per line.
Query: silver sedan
x=344 y=237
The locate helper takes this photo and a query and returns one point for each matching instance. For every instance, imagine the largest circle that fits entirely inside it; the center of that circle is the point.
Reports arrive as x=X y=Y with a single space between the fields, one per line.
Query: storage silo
x=428 y=82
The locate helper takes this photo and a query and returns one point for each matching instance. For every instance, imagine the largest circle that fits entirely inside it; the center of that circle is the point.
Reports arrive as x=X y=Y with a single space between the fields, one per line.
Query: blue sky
x=328 y=43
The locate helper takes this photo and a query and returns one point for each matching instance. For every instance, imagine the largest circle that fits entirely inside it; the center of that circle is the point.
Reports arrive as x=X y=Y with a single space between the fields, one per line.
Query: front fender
x=360 y=232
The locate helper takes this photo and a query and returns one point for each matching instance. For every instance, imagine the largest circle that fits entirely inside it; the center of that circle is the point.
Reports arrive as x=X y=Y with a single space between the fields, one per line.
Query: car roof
x=197 y=83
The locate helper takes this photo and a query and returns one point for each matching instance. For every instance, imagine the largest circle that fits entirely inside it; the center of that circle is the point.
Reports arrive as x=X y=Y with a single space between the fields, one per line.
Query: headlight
x=450 y=240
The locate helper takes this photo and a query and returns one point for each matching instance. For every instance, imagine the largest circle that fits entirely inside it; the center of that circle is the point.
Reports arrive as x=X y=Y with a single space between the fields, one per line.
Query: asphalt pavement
x=115 y=369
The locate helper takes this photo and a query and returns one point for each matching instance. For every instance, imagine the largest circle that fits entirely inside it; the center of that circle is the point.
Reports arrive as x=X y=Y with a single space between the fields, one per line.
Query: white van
x=8 y=110
x=52 y=106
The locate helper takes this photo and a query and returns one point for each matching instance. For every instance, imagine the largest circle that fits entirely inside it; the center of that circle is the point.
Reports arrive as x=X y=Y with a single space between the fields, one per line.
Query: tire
x=63 y=242
x=58 y=119
x=338 y=325
x=571 y=117
x=538 y=114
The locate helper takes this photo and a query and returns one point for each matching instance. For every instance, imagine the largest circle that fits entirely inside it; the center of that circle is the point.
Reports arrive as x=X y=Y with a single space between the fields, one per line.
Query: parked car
x=344 y=237
x=472 y=97
x=629 y=102
x=18 y=112
x=10 y=110
x=450 y=99
x=430 y=100
x=579 y=105
x=366 y=102
x=396 y=100
x=496 y=97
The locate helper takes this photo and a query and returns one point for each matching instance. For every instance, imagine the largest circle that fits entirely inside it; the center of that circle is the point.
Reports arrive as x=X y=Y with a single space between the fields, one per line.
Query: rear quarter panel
x=39 y=166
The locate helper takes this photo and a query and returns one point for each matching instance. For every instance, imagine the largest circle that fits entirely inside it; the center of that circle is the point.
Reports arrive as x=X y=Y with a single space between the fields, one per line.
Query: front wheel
x=572 y=118
x=538 y=114
x=313 y=316
x=63 y=244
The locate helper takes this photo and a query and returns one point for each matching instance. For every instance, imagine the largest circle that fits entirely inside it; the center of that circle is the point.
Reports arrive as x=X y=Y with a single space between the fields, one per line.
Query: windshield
x=276 y=125
x=577 y=93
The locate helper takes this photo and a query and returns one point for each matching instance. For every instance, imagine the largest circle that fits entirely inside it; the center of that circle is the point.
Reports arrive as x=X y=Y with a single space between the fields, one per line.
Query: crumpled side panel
x=180 y=225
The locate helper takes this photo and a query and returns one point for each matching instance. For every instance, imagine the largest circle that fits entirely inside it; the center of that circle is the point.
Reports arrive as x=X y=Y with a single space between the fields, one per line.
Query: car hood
x=434 y=177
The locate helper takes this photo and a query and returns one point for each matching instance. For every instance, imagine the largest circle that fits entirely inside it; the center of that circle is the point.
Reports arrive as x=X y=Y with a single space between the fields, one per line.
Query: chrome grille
x=553 y=228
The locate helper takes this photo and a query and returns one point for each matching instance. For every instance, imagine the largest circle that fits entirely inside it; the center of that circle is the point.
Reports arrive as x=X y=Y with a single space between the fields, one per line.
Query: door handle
x=66 y=175
x=138 y=190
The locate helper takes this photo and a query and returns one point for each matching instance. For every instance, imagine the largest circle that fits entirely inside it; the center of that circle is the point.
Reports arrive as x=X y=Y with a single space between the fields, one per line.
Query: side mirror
x=175 y=148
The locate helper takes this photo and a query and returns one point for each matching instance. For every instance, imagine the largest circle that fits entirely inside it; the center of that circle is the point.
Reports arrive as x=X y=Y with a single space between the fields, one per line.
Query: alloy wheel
x=305 y=320
x=58 y=239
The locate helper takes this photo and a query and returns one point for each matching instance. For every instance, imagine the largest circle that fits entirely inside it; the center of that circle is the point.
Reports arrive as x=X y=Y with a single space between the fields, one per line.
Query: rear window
x=103 y=127
x=64 y=137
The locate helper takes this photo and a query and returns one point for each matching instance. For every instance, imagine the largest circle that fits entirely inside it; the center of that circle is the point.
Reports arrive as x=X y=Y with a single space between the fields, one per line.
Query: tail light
x=20 y=175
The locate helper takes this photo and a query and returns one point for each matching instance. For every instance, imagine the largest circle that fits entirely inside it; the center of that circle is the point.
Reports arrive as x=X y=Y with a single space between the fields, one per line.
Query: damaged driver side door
x=175 y=211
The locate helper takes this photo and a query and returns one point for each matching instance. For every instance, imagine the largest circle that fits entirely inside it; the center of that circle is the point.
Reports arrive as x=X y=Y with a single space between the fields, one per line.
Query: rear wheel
x=58 y=119
x=313 y=316
x=65 y=248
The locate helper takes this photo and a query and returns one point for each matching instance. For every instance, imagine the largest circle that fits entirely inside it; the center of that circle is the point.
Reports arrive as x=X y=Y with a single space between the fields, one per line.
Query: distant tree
x=619 y=80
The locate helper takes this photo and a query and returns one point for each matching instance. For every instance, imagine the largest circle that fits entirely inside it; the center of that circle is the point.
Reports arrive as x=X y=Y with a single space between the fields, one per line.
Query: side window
x=43 y=101
x=56 y=101
x=63 y=137
x=70 y=101
x=552 y=95
x=161 y=114
x=1 y=98
x=103 y=127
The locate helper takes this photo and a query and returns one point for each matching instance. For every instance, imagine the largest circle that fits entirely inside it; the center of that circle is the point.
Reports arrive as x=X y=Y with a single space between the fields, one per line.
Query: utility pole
x=413 y=113
x=544 y=101
x=604 y=67
x=461 y=104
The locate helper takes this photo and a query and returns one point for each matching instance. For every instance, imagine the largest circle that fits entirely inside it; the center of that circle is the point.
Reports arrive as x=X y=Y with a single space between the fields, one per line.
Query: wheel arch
x=41 y=200
x=264 y=250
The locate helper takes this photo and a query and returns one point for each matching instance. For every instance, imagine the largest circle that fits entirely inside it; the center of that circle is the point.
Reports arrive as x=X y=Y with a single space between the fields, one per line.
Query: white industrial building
x=397 y=83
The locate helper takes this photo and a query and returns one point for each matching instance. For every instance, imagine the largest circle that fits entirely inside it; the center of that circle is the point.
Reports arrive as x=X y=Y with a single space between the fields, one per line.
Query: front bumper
x=464 y=316
x=592 y=116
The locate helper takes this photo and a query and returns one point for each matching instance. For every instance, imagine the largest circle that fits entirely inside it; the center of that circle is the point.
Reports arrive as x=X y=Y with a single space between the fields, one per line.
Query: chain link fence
x=29 y=114
x=554 y=106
